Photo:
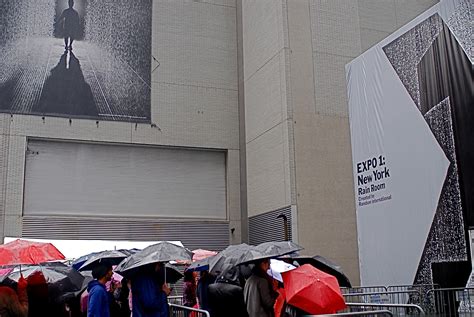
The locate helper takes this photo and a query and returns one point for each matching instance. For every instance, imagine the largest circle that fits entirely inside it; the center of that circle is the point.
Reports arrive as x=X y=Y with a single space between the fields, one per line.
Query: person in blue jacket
x=99 y=305
x=150 y=292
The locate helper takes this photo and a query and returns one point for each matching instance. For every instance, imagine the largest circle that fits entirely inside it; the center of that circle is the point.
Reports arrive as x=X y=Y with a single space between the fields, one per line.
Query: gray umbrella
x=112 y=257
x=228 y=257
x=278 y=248
x=268 y=250
x=59 y=277
x=160 y=252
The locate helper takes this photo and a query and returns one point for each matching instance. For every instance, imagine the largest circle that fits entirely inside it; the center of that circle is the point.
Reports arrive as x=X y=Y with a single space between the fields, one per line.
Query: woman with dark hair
x=189 y=289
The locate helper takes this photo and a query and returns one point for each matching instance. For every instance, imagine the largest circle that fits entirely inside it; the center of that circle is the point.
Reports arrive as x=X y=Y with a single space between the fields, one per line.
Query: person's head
x=71 y=3
x=263 y=265
x=189 y=276
x=102 y=272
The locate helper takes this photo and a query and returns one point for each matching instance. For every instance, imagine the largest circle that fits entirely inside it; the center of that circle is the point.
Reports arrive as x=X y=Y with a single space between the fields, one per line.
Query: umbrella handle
x=164 y=266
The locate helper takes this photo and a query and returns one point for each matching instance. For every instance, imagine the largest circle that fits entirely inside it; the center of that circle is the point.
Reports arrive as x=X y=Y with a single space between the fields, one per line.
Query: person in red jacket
x=14 y=304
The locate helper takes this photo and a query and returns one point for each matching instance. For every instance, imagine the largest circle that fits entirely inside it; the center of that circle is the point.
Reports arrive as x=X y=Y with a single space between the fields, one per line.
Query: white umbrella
x=277 y=267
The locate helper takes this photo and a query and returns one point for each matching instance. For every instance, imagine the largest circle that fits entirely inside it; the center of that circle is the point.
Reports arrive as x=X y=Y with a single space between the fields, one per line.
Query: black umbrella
x=278 y=248
x=228 y=257
x=59 y=277
x=160 y=252
x=325 y=265
x=112 y=257
x=268 y=250
x=173 y=274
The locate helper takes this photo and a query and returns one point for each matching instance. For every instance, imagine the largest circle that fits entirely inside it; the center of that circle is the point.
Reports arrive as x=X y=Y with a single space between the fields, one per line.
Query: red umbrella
x=312 y=290
x=28 y=252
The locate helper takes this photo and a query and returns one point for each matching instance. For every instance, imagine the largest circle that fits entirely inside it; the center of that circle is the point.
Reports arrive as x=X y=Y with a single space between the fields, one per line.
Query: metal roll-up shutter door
x=103 y=180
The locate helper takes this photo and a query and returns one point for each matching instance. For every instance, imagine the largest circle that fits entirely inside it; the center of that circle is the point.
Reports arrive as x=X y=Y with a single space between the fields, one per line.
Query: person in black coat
x=226 y=296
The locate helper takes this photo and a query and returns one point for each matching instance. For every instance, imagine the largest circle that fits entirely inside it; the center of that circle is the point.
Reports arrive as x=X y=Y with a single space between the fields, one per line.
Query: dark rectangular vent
x=267 y=227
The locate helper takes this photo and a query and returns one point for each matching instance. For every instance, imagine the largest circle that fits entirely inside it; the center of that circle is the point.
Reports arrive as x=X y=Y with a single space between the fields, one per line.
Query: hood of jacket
x=93 y=284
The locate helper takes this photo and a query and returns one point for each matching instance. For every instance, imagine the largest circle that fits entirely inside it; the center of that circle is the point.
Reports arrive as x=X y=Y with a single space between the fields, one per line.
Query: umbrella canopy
x=201 y=265
x=77 y=263
x=312 y=290
x=228 y=257
x=160 y=252
x=112 y=257
x=201 y=254
x=28 y=252
x=277 y=267
x=325 y=265
x=59 y=277
x=268 y=250
x=173 y=274
x=278 y=248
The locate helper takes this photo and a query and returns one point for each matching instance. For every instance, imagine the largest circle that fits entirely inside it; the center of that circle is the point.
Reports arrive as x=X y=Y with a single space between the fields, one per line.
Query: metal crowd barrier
x=363 y=289
x=177 y=300
x=183 y=311
x=451 y=301
x=395 y=309
x=368 y=313
x=386 y=297
x=425 y=302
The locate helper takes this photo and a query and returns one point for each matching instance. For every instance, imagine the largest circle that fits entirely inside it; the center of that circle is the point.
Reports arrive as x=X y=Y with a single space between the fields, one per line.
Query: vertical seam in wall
x=287 y=88
x=360 y=46
x=312 y=55
x=242 y=133
x=5 y=178
x=396 y=15
x=290 y=116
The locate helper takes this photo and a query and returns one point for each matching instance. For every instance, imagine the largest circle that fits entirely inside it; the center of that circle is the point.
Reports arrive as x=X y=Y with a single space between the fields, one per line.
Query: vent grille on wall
x=267 y=227
x=193 y=234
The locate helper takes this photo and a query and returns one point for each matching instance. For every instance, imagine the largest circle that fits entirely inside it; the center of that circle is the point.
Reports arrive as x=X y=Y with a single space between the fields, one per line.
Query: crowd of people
x=145 y=294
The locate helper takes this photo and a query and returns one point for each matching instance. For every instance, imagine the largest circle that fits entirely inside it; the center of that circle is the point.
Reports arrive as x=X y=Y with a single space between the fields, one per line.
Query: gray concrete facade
x=262 y=80
x=297 y=125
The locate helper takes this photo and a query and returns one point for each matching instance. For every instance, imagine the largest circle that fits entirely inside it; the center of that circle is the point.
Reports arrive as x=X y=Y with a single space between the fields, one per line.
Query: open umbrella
x=228 y=257
x=173 y=274
x=268 y=250
x=201 y=254
x=277 y=267
x=160 y=252
x=200 y=265
x=112 y=257
x=325 y=265
x=28 y=252
x=59 y=277
x=312 y=290
x=278 y=248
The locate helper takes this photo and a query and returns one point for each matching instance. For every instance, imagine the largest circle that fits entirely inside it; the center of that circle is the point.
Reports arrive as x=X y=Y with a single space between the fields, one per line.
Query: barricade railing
x=408 y=287
x=386 y=297
x=363 y=289
x=396 y=309
x=177 y=300
x=451 y=301
x=368 y=313
x=184 y=311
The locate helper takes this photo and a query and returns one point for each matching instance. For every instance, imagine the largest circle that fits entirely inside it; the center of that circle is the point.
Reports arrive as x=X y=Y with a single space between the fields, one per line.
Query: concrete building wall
x=194 y=104
x=340 y=30
x=297 y=124
x=267 y=112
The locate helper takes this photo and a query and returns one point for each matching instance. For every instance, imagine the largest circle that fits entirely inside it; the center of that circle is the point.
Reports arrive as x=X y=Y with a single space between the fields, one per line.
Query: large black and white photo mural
x=411 y=102
x=76 y=58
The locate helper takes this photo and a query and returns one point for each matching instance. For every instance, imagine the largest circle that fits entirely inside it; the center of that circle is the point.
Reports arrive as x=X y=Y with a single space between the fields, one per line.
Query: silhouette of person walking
x=71 y=25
